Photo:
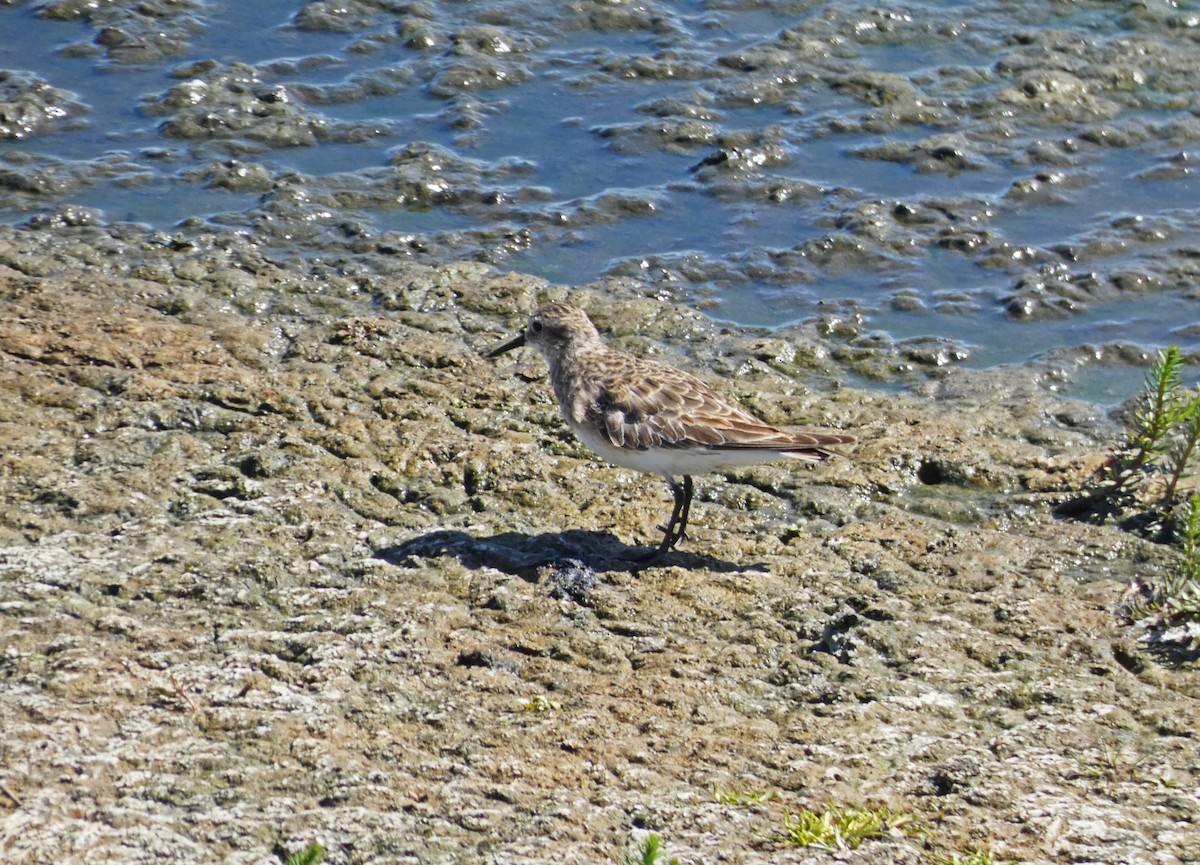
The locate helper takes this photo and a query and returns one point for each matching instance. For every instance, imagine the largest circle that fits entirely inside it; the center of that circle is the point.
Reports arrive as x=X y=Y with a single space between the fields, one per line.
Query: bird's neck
x=574 y=392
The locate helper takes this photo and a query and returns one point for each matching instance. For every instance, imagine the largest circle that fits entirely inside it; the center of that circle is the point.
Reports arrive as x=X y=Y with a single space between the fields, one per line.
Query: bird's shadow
x=525 y=555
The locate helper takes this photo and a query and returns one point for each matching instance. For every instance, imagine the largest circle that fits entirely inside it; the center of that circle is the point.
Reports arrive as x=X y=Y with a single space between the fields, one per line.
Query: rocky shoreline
x=284 y=559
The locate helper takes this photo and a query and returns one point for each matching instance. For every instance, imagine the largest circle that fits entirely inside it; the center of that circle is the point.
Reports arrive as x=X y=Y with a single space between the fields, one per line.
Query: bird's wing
x=646 y=404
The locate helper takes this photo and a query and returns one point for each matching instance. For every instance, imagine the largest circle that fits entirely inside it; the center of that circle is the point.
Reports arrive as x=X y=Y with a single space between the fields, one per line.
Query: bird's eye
x=535 y=326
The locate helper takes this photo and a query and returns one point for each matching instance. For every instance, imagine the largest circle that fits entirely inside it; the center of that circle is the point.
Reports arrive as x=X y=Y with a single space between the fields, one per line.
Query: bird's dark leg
x=687 y=508
x=674 y=531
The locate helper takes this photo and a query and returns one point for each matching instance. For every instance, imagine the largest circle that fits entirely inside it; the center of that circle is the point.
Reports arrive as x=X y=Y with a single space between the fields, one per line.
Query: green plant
x=310 y=855
x=741 y=798
x=1156 y=412
x=1109 y=766
x=1188 y=426
x=843 y=828
x=1159 y=446
x=1188 y=536
x=1162 y=434
x=1164 y=428
x=1177 y=598
x=648 y=853
x=540 y=703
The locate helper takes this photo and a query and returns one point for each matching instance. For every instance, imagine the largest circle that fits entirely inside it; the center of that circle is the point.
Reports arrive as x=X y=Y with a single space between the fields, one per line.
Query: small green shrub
x=843 y=828
x=1188 y=536
x=1156 y=413
x=1109 y=766
x=741 y=798
x=1161 y=436
x=1142 y=482
x=1167 y=611
x=649 y=852
x=1176 y=599
x=310 y=855
x=540 y=703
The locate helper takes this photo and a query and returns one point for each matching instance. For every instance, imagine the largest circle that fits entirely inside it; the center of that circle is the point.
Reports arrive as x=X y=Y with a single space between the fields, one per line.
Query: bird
x=652 y=417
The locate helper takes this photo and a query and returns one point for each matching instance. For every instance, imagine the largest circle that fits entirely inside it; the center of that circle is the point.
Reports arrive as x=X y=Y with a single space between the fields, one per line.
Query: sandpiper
x=652 y=417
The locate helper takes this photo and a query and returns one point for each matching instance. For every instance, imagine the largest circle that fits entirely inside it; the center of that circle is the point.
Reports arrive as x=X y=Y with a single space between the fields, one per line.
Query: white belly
x=673 y=462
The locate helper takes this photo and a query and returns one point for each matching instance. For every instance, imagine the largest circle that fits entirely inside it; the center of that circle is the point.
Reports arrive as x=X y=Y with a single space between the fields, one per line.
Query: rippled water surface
x=1011 y=179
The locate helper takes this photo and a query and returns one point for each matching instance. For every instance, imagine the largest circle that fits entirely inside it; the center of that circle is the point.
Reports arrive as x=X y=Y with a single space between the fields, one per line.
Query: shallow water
x=747 y=158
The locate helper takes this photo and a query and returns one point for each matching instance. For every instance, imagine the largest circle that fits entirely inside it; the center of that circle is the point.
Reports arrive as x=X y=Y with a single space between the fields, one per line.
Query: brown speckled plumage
x=650 y=416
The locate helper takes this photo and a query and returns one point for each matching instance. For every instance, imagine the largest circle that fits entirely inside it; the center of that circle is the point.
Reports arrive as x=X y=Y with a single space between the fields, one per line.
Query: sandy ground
x=281 y=565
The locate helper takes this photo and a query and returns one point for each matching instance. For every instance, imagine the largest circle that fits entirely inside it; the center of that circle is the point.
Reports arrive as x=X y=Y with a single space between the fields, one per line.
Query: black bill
x=508 y=346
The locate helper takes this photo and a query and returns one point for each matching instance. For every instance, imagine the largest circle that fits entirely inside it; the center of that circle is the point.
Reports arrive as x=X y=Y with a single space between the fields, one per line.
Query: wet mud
x=284 y=559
